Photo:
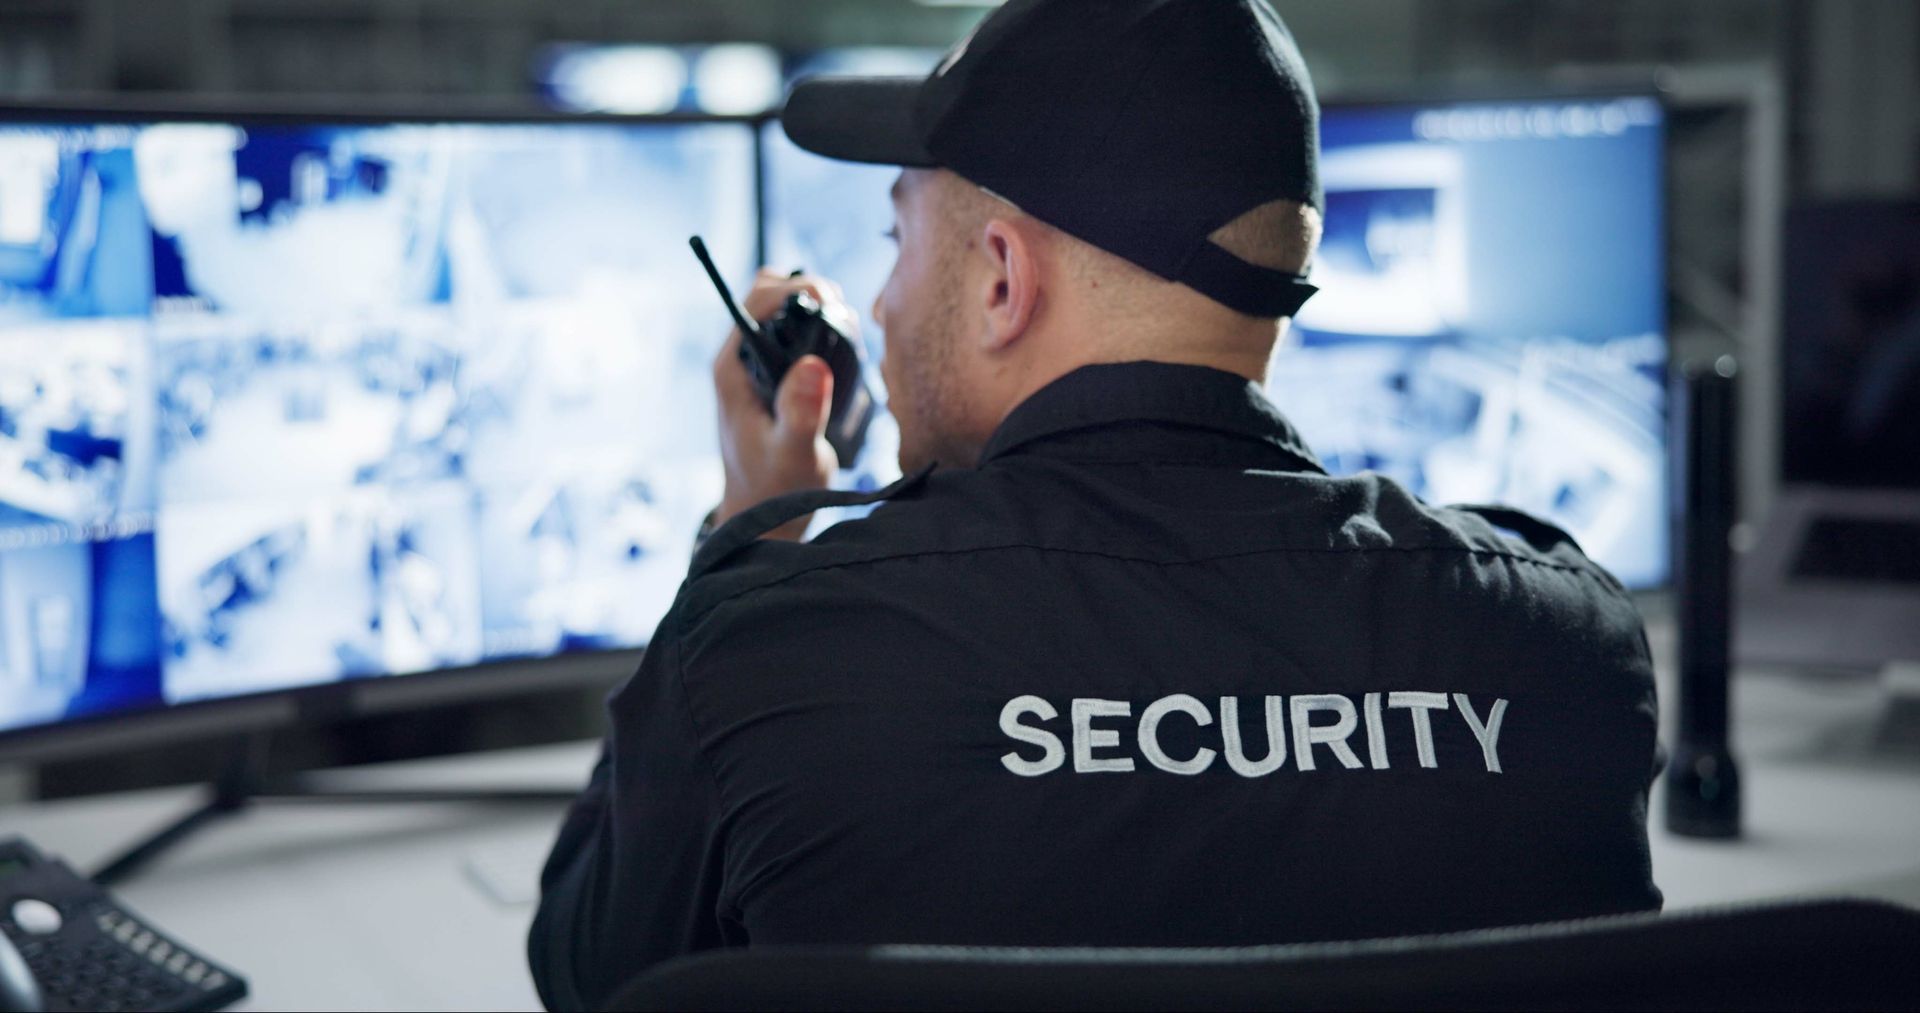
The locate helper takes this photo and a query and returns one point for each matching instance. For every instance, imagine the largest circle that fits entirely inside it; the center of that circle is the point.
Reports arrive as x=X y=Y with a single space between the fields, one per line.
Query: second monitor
x=1491 y=320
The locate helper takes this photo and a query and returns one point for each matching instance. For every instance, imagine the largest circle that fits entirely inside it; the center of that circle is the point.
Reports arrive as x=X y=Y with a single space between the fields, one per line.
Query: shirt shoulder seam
x=1118 y=557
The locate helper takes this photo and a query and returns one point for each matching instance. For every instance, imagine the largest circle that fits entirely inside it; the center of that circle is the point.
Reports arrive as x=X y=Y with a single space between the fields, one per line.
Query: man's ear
x=1011 y=289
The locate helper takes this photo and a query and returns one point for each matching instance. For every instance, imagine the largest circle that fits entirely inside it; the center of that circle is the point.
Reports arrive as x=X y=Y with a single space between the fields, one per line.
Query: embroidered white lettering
x=1419 y=704
x=1376 y=732
x=1022 y=717
x=1276 y=738
x=1052 y=754
x=1489 y=733
x=1086 y=738
x=1150 y=734
x=1334 y=736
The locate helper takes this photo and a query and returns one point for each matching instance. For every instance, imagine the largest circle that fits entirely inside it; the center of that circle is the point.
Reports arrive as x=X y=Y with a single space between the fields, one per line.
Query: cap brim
x=857 y=119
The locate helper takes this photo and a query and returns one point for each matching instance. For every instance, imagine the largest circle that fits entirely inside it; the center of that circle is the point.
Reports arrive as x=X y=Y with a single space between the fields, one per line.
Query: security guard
x=1129 y=668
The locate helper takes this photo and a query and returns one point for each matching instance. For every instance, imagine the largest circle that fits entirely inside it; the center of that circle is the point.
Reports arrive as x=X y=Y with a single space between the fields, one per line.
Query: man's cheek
x=891 y=358
x=886 y=371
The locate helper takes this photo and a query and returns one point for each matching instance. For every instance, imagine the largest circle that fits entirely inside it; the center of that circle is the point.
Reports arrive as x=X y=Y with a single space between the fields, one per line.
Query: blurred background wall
x=1849 y=67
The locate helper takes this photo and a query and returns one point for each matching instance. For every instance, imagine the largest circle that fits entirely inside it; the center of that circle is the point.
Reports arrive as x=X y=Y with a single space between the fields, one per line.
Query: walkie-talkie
x=800 y=328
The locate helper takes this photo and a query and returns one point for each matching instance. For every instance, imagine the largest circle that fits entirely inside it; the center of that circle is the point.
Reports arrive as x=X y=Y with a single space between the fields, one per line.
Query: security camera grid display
x=285 y=405
x=282 y=405
x=1490 y=325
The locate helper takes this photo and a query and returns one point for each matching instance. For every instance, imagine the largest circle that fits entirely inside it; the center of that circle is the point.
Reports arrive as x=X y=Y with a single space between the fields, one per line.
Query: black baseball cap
x=1139 y=126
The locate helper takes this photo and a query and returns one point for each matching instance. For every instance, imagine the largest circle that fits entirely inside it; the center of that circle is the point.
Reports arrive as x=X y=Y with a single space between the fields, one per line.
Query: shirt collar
x=1195 y=397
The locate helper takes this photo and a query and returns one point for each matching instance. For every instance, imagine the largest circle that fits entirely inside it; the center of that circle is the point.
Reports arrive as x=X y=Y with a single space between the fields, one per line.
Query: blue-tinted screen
x=1491 y=321
x=287 y=405
x=1490 y=326
x=283 y=405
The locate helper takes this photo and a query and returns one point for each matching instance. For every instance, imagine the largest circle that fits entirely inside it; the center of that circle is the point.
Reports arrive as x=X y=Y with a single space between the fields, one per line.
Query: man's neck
x=1237 y=357
x=1251 y=365
x=1204 y=335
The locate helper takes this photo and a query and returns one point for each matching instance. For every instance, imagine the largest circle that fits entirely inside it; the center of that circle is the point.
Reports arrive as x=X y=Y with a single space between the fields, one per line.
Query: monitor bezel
x=370 y=110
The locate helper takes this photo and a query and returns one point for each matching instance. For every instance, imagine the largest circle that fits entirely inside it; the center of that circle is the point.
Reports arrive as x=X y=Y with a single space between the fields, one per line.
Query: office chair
x=1823 y=954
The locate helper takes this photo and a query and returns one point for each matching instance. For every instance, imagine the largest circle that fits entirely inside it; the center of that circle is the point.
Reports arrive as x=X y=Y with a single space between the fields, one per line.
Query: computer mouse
x=19 y=992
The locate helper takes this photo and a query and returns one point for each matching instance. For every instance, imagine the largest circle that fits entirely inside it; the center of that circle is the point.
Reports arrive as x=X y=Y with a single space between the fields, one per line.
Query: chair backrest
x=1832 y=954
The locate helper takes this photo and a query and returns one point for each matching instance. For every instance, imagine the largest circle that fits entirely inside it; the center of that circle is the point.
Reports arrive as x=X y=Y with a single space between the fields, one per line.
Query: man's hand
x=771 y=455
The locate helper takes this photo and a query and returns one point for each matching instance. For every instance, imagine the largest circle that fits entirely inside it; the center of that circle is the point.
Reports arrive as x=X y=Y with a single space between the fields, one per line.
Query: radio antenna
x=756 y=337
x=726 y=294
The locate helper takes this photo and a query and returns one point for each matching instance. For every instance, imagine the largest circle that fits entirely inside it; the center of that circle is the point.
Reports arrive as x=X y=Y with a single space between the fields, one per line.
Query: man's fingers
x=730 y=380
x=801 y=403
x=771 y=289
x=825 y=289
x=806 y=395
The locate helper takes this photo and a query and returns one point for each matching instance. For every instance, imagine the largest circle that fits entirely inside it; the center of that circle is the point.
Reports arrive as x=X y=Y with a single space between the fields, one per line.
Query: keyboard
x=89 y=953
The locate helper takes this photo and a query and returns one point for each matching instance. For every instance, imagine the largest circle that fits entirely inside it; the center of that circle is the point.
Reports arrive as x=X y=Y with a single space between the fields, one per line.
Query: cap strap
x=749 y=524
x=1254 y=290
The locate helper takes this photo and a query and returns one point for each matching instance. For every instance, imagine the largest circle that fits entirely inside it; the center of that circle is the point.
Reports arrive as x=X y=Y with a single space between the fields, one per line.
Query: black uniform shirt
x=1146 y=676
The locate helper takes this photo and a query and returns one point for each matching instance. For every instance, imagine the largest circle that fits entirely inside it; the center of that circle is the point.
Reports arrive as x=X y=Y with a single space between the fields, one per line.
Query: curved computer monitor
x=293 y=408
x=1491 y=325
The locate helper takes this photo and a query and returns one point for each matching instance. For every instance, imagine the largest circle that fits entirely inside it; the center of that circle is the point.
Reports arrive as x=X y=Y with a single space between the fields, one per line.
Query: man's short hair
x=1280 y=234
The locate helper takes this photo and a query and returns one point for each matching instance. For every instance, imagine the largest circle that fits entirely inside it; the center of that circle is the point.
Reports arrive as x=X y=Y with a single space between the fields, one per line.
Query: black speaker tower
x=1703 y=783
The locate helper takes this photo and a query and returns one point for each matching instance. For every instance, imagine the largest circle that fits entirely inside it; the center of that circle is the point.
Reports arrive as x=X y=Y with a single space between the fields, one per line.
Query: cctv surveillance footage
x=289 y=404
x=1490 y=326
x=283 y=404
x=1491 y=321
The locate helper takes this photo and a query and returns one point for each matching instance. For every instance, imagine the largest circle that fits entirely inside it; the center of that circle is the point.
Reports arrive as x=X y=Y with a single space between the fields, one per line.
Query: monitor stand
x=244 y=781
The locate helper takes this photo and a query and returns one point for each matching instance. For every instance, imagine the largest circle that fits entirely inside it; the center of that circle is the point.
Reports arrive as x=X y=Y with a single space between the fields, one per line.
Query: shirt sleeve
x=634 y=875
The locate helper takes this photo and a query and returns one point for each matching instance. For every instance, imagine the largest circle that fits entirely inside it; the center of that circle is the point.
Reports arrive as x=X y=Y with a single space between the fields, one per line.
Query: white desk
x=336 y=906
x=385 y=906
